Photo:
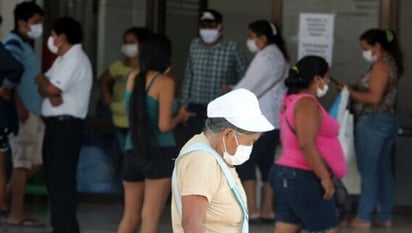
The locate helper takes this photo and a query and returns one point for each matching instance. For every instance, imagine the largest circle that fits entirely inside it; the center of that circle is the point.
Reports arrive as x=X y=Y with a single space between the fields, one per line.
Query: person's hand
x=225 y=89
x=5 y=93
x=328 y=187
x=339 y=87
x=185 y=115
x=56 y=100
x=38 y=78
x=22 y=113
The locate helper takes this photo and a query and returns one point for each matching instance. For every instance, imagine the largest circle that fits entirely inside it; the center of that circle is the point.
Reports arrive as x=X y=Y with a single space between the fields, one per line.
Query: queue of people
x=235 y=116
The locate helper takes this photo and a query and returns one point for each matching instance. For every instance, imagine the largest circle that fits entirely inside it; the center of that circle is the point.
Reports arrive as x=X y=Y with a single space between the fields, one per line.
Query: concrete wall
x=405 y=34
x=237 y=14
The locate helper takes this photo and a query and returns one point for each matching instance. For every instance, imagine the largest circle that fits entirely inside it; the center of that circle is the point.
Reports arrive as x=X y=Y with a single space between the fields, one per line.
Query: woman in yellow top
x=113 y=80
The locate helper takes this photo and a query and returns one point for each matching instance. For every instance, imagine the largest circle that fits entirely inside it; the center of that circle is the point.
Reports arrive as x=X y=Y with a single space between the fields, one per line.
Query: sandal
x=357 y=223
x=25 y=222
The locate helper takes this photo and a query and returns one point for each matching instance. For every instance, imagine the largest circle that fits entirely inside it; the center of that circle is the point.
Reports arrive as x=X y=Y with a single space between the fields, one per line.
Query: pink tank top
x=327 y=139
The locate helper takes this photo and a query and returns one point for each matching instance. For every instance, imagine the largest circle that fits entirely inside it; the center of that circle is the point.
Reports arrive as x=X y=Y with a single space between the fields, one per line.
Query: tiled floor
x=104 y=217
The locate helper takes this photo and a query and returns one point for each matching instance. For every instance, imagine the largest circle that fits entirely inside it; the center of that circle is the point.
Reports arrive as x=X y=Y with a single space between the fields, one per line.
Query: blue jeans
x=375 y=135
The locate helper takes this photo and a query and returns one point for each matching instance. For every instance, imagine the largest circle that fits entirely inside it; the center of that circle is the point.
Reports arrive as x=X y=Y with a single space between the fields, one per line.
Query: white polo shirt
x=72 y=74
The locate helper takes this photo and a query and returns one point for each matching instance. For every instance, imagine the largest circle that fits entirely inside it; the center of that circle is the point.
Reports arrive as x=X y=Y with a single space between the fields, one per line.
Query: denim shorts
x=299 y=199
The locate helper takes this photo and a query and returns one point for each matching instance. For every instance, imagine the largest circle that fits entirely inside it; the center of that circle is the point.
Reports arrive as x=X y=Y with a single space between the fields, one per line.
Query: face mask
x=209 y=35
x=130 y=50
x=367 y=55
x=35 y=31
x=50 y=44
x=241 y=155
x=320 y=92
x=251 y=45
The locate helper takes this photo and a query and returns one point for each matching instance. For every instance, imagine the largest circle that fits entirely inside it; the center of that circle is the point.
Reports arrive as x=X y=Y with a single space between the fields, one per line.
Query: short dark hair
x=25 y=10
x=70 y=28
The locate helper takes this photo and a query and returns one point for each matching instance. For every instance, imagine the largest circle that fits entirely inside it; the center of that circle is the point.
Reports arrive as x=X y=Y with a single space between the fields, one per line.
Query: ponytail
x=139 y=128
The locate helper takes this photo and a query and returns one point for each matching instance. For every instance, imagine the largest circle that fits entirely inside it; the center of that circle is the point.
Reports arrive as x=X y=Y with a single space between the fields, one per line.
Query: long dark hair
x=272 y=33
x=154 y=55
x=389 y=42
x=302 y=74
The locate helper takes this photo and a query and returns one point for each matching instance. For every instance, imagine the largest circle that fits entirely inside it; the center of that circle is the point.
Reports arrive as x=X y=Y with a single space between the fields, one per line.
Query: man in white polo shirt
x=66 y=90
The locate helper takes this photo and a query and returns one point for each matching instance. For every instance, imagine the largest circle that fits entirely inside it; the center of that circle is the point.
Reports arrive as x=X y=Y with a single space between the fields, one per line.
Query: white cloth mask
x=209 y=35
x=36 y=31
x=367 y=55
x=130 y=50
x=321 y=92
x=242 y=153
x=50 y=44
x=251 y=45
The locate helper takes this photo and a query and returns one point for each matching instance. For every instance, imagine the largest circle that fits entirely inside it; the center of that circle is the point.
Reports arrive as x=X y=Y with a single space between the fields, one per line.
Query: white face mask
x=321 y=92
x=50 y=44
x=130 y=50
x=241 y=155
x=367 y=55
x=251 y=45
x=209 y=35
x=36 y=31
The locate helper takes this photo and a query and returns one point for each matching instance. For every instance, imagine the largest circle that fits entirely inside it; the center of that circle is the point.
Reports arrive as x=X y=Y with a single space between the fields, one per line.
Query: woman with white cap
x=207 y=192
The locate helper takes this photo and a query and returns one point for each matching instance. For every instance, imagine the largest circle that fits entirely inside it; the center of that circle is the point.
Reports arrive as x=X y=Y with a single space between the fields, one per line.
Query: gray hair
x=217 y=125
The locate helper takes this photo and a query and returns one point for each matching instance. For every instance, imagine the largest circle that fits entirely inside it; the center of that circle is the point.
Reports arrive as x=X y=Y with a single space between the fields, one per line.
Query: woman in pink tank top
x=302 y=176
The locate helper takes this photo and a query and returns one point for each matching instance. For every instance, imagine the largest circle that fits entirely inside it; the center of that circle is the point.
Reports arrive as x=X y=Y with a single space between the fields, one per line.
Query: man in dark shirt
x=10 y=73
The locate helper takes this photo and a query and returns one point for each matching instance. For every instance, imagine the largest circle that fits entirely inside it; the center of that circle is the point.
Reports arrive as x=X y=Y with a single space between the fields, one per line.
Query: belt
x=60 y=118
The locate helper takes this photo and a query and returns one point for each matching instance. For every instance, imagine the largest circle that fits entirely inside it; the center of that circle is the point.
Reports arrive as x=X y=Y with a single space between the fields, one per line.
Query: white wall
x=115 y=17
x=237 y=14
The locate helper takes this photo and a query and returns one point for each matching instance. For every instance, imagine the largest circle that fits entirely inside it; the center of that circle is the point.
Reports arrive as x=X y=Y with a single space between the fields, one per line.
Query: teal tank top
x=158 y=139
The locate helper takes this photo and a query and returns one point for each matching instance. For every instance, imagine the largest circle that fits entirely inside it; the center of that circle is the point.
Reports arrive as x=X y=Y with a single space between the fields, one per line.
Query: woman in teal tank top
x=151 y=146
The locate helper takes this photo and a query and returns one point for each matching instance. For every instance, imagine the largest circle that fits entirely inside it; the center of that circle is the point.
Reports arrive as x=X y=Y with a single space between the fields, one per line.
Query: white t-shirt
x=72 y=74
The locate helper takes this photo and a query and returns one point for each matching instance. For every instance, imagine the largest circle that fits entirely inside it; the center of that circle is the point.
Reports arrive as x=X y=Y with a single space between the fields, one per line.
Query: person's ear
x=21 y=23
x=220 y=28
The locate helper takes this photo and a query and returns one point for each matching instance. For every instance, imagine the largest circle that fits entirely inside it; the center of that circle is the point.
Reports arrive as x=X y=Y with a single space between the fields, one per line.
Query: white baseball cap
x=241 y=108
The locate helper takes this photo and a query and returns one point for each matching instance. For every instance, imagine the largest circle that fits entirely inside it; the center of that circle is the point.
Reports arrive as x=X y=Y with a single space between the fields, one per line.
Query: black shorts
x=157 y=165
x=4 y=139
x=262 y=157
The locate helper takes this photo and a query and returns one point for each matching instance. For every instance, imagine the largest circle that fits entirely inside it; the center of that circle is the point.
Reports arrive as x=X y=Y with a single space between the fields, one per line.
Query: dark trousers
x=62 y=143
x=195 y=124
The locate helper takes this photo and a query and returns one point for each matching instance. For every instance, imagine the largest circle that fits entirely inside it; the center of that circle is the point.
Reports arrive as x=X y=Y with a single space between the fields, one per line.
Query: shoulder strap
x=232 y=184
x=155 y=76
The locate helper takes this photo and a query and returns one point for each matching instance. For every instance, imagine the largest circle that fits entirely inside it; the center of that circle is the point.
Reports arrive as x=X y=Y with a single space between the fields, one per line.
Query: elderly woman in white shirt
x=265 y=78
